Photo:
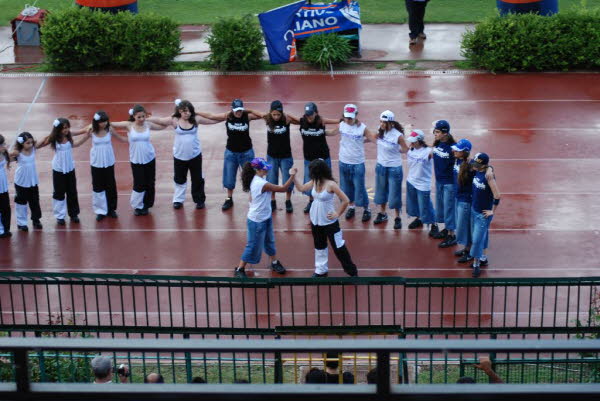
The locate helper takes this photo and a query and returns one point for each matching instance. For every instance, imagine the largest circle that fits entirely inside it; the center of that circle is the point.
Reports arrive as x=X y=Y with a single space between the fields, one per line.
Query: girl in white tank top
x=5 y=212
x=26 y=182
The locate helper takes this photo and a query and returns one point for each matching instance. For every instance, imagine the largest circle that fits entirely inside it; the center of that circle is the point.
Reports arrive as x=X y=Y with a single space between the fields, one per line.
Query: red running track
x=539 y=130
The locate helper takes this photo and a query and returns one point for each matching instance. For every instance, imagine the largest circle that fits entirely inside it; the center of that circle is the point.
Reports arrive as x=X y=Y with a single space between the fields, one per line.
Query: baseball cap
x=386 y=116
x=276 y=105
x=310 y=108
x=259 y=163
x=237 y=105
x=462 y=145
x=350 y=110
x=481 y=159
x=415 y=135
x=442 y=125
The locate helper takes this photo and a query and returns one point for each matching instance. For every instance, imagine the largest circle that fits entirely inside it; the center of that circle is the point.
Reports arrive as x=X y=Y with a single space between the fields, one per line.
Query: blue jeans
x=352 y=182
x=307 y=173
x=418 y=204
x=479 y=231
x=260 y=235
x=231 y=162
x=285 y=165
x=463 y=223
x=388 y=186
x=445 y=205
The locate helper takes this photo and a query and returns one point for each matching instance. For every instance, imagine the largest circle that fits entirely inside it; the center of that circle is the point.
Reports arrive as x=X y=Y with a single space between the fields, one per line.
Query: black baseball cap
x=310 y=108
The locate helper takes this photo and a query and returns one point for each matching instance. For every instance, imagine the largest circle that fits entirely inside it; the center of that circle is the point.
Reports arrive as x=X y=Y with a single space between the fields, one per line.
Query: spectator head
x=316 y=376
x=154 y=378
x=332 y=364
x=102 y=368
x=466 y=380
x=372 y=376
x=198 y=379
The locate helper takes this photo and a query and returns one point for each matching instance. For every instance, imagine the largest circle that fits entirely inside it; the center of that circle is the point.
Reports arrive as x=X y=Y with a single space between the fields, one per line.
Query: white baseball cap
x=386 y=116
x=350 y=111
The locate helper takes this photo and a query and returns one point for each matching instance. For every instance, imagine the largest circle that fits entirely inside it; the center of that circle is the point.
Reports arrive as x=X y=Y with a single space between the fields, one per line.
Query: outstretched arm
x=281 y=188
x=81 y=140
x=211 y=116
x=300 y=186
x=166 y=121
x=42 y=143
x=205 y=121
x=118 y=137
x=255 y=115
x=330 y=120
x=486 y=366
x=370 y=135
x=157 y=127
x=292 y=119
x=80 y=131
x=120 y=124
x=403 y=145
x=332 y=132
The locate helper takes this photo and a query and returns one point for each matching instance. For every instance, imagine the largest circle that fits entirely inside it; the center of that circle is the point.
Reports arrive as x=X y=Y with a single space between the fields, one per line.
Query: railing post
x=278 y=374
x=383 y=373
x=22 y=371
x=188 y=362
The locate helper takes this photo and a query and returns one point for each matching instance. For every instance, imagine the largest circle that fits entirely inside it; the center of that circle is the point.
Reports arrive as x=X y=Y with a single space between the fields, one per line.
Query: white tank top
x=352 y=143
x=419 y=168
x=321 y=206
x=187 y=144
x=63 y=158
x=101 y=153
x=26 y=173
x=141 y=150
x=388 y=150
x=3 y=178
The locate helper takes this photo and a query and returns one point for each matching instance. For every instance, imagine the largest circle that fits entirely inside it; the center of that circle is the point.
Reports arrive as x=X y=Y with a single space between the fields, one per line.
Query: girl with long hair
x=64 y=197
x=463 y=179
x=260 y=221
x=324 y=218
x=142 y=158
x=187 y=151
x=418 y=181
x=26 y=182
x=445 y=190
x=5 y=212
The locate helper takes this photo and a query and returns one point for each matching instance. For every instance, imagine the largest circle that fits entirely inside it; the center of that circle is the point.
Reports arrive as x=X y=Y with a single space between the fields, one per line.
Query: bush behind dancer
x=187 y=151
x=5 y=212
x=64 y=179
x=260 y=221
x=445 y=190
x=26 y=182
x=142 y=158
x=463 y=178
x=102 y=164
x=238 y=150
x=324 y=218
x=418 y=181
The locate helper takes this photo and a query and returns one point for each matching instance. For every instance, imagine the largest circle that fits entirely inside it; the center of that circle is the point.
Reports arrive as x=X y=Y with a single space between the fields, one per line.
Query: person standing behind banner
x=416 y=15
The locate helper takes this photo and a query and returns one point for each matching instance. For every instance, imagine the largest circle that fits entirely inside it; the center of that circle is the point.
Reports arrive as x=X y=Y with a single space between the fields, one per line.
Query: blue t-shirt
x=443 y=163
x=463 y=193
x=483 y=198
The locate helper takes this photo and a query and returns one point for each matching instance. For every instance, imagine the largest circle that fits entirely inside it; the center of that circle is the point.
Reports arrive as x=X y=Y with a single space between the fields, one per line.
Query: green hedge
x=236 y=44
x=78 y=39
x=529 y=42
x=326 y=50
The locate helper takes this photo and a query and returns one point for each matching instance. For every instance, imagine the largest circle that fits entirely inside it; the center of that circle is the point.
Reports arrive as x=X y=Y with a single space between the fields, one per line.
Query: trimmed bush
x=529 y=42
x=78 y=39
x=326 y=51
x=236 y=44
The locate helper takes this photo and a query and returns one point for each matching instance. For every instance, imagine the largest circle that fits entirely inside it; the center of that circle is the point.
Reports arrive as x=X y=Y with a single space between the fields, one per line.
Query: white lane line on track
x=35 y=98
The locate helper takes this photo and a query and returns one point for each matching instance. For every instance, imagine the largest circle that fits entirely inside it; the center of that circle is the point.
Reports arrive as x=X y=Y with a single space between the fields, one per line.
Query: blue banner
x=314 y=19
x=278 y=30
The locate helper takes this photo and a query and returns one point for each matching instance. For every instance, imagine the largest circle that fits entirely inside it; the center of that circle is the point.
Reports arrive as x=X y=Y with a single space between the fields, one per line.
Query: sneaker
x=350 y=213
x=60 y=222
x=288 y=206
x=397 y=223
x=137 y=212
x=37 y=224
x=177 y=205
x=278 y=267
x=476 y=271
x=423 y=36
x=200 y=205
x=112 y=214
x=434 y=230
x=307 y=207
x=450 y=241
x=461 y=252
x=416 y=223
x=144 y=211
x=483 y=262
x=273 y=205
x=315 y=275
x=381 y=218
x=441 y=234
x=412 y=41
x=6 y=234
x=367 y=216
x=75 y=219
x=466 y=258
x=100 y=217
x=23 y=228
x=239 y=273
x=228 y=204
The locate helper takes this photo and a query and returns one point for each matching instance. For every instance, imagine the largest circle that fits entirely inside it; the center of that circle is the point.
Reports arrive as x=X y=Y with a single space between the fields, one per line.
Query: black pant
x=194 y=165
x=31 y=195
x=416 y=14
x=65 y=185
x=320 y=236
x=103 y=179
x=5 y=211
x=144 y=176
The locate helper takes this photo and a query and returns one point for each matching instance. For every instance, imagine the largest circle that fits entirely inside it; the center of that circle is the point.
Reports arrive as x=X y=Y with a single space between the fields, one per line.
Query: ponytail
x=464 y=172
x=248 y=174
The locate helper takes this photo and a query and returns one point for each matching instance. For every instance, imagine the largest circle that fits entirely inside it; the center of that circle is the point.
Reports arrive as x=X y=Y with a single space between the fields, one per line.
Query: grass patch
x=464 y=65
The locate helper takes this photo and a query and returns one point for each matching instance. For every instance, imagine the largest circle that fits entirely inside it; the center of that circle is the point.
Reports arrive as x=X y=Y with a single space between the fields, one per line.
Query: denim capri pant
x=388 y=186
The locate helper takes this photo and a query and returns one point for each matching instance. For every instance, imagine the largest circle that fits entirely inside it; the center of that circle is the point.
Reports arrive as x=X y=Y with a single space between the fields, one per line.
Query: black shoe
x=144 y=211
x=278 y=267
x=100 y=217
x=416 y=223
x=476 y=271
x=177 y=205
x=450 y=241
x=23 y=228
x=112 y=214
x=319 y=275
x=461 y=252
x=434 y=230
x=228 y=204
x=200 y=205
x=397 y=223
x=381 y=218
x=307 y=207
x=288 y=206
x=60 y=222
x=466 y=258
x=75 y=219
x=6 y=234
x=483 y=262
x=239 y=273
x=350 y=213
x=441 y=235
x=273 y=205
x=37 y=225
x=366 y=216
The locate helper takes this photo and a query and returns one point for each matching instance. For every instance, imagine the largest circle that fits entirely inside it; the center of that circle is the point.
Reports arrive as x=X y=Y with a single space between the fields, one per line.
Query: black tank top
x=238 y=133
x=313 y=138
x=278 y=141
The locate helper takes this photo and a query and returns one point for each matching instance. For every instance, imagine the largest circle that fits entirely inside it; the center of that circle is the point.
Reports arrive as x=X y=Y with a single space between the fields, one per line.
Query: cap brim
x=309 y=113
x=350 y=115
x=238 y=109
x=457 y=149
x=412 y=139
